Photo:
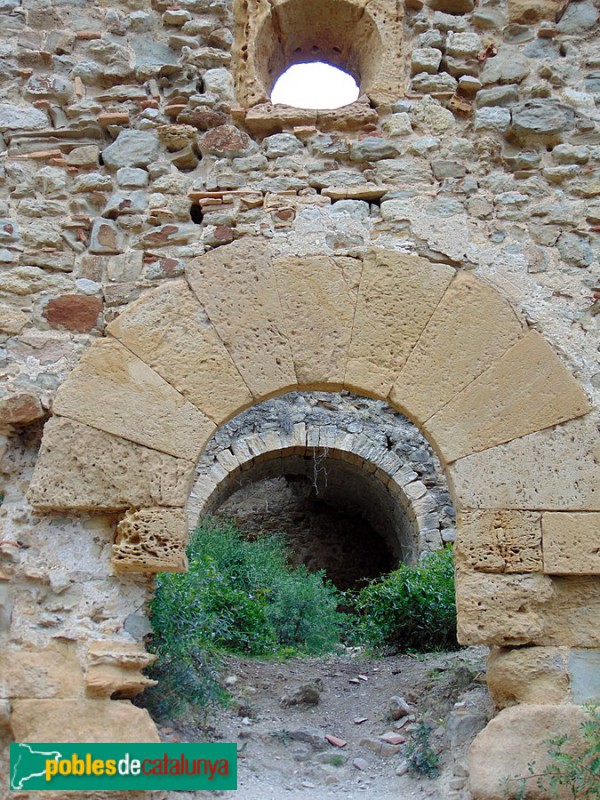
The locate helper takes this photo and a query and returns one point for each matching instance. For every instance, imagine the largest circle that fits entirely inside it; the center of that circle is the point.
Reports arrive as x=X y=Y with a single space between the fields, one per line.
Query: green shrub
x=240 y=597
x=422 y=760
x=412 y=608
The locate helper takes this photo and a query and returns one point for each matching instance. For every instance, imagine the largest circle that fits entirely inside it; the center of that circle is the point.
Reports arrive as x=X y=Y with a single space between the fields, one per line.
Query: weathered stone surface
x=151 y=540
x=131 y=149
x=20 y=409
x=540 y=120
x=81 y=720
x=86 y=469
x=584 y=674
x=24 y=118
x=504 y=402
x=49 y=672
x=501 y=609
x=73 y=312
x=170 y=331
x=571 y=543
x=571 y=619
x=472 y=326
x=12 y=321
x=556 y=469
x=225 y=141
x=530 y=11
x=507 y=67
x=397 y=296
x=528 y=675
x=512 y=740
x=452 y=6
x=237 y=287
x=578 y=18
x=114 y=668
x=111 y=389
x=425 y=59
x=318 y=298
x=105 y=238
x=500 y=541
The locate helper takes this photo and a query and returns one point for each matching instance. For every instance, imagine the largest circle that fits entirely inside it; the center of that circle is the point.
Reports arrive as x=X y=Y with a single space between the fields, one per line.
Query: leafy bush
x=571 y=772
x=239 y=597
x=412 y=608
x=420 y=757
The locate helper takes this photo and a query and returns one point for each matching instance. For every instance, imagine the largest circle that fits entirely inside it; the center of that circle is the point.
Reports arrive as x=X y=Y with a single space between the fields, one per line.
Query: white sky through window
x=315 y=85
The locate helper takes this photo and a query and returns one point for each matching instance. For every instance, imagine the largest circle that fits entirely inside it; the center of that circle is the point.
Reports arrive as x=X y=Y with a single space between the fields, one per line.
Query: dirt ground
x=282 y=712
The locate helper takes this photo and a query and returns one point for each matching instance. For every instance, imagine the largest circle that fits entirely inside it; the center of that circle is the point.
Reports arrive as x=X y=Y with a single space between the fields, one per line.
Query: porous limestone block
x=530 y=11
x=40 y=672
x=115 y=668
x=554 y=469
x=151 y=540
x=81 y=720
x=237 y=287
x=113 y=390
x=82 y=468
x=501 y=609
x=397 y=296
x=516 y=737
x=470 y=329
x=170 y=331
x=528 y=675
x=571 y=543
x=500 y=541
x=318 y=297
x=525 y=390
x=527 y=609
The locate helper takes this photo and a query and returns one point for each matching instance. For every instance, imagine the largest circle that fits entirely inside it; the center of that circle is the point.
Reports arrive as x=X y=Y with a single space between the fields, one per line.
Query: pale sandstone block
x=529 y=11
x=514 y=738
x=48 y=672
x=111 y=389
x=237 y=287
x=318 y=297
x=573 y=617
x=151 y=540
x=170 y=331
x=528 y=675
x=554 y=469
x=532 y=609
x=571 y=543
x=501 y=609
x=472 y=326
x=525 y=390
x=82 y=468
x=115 y=668
x=81 y=720
x=397 y=296
x=500 y=541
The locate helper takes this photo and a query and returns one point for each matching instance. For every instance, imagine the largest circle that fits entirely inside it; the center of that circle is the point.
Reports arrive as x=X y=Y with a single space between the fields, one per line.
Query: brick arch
x=507 y=419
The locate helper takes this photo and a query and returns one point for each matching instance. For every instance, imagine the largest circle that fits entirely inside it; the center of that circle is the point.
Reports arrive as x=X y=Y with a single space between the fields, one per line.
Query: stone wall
x=132 y=150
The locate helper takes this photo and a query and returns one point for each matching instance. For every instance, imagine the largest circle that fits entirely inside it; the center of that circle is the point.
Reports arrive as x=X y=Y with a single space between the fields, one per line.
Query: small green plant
x=336 y=760
x=571 y=771
x=240 y=597
x=422 y=760
x=412 y=608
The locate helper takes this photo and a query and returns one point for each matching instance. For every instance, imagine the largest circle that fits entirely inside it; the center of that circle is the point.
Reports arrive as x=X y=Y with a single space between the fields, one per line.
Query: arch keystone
x=526 y=390
x=318 y=297
x=113 y=390
x=170 y=331
x=237 y=287
x=397 y=296
x=472 y=326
